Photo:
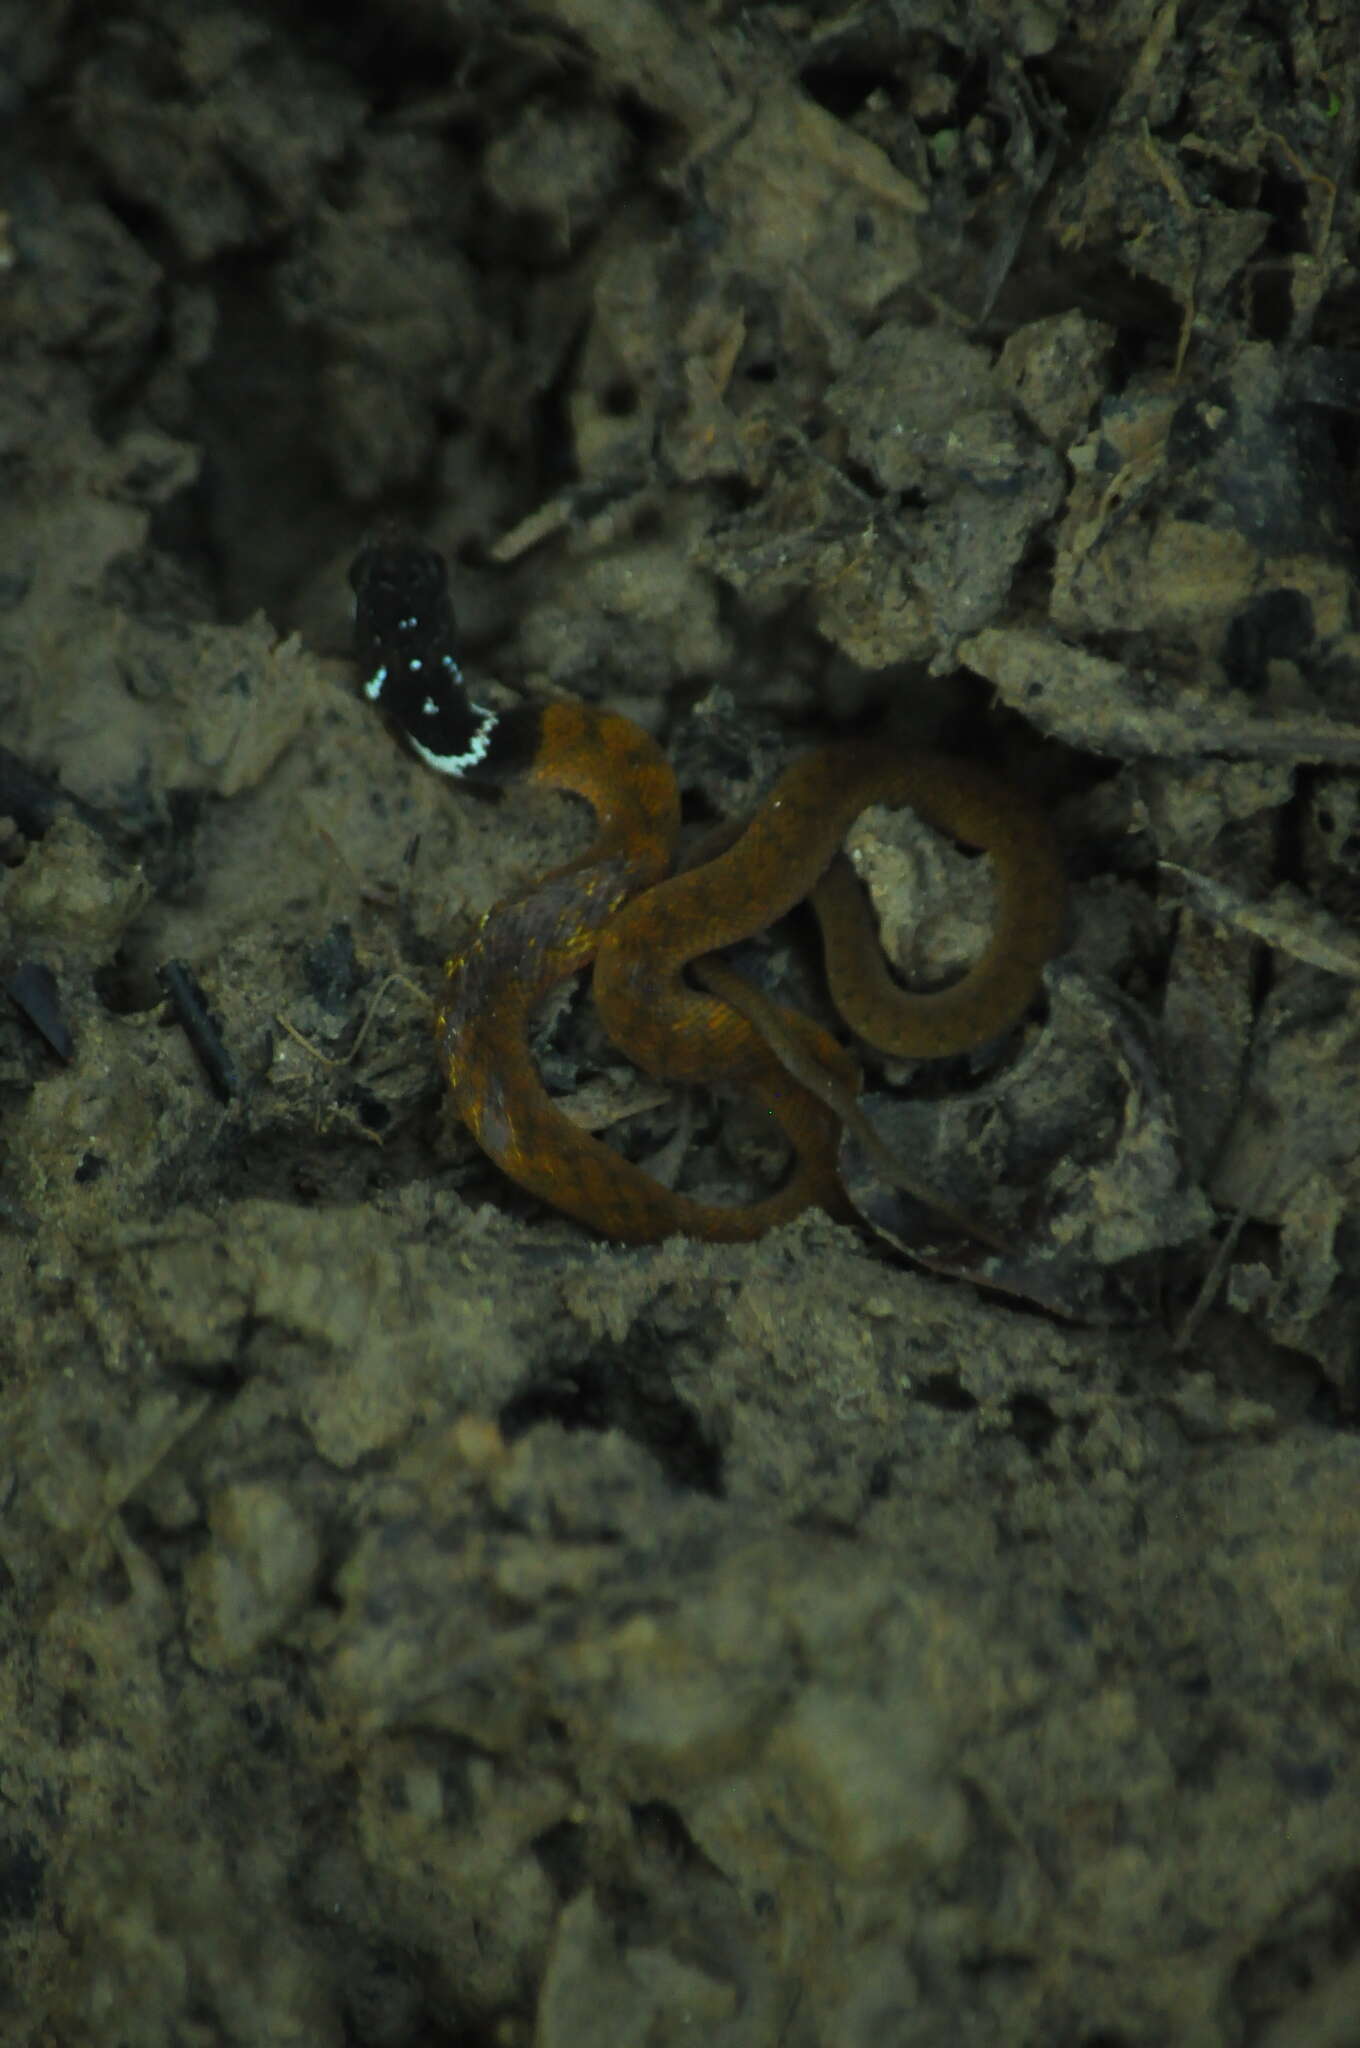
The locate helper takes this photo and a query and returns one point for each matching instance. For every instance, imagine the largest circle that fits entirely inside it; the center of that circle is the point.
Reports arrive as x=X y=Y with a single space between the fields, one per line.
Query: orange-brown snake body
x=642 y=926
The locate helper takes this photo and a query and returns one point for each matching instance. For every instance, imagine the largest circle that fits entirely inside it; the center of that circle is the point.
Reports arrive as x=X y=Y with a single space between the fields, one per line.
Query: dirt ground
x=425 y=1626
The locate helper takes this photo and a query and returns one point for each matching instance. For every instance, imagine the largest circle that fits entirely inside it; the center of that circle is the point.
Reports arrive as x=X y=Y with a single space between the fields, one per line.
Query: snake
x=648 y=931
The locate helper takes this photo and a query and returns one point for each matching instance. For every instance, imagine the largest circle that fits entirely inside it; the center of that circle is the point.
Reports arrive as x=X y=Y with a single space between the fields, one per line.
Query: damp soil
x=424 y=1625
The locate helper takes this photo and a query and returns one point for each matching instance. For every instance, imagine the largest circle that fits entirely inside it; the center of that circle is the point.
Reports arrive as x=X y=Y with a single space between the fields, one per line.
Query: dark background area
x=421 y=1623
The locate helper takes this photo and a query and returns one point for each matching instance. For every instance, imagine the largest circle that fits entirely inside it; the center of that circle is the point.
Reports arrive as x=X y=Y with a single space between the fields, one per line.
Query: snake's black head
x=404 y=637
